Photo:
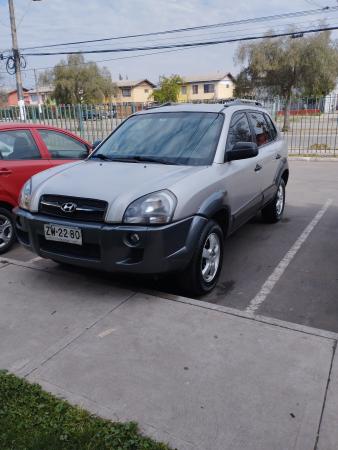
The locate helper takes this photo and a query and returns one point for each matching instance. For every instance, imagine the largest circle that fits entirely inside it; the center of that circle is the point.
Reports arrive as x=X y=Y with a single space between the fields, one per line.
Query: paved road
x=307 y=291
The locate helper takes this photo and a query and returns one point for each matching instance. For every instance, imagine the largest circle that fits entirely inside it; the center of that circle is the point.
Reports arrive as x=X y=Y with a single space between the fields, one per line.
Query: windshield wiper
x=133 y=159
x=101 y=156
x=140 y=158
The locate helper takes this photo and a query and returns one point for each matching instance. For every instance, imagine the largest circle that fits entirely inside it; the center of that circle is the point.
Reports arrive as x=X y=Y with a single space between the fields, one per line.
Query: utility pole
x=16 y=56
x=37 y=90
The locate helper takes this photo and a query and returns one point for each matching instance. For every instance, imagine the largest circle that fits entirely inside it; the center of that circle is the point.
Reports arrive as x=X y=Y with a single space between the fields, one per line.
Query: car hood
x=118 y=183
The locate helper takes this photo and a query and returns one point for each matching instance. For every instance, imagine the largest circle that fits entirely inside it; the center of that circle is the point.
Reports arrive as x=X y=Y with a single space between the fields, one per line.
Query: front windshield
x=184 y=138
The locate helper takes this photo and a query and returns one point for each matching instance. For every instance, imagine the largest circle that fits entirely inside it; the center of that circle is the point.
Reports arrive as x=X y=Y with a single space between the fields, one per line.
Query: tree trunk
x=287 y=105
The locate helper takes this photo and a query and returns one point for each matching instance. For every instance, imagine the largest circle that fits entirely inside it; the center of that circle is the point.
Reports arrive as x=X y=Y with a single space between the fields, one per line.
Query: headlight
x=25 y=195
x=155 y=208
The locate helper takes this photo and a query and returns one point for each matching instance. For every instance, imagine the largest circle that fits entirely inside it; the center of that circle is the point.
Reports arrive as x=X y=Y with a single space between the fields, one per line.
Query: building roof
x=14 y=90
x=42 y=90
x=218 y=76
x=133 y=83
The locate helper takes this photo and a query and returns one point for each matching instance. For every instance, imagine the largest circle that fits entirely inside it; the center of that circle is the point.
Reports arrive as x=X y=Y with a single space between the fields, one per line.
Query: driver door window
x=20 y=159
x=18 y=145
x=239 y=130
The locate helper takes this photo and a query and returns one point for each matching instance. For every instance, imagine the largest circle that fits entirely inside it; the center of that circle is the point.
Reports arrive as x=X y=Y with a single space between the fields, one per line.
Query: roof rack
x=161 y=105
x=240 y=101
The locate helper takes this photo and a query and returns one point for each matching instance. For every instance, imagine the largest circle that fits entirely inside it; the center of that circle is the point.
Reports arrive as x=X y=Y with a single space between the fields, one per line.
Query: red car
x=26 y=149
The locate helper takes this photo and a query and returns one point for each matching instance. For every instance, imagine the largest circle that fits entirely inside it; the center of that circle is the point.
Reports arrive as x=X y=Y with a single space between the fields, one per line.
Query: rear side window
x=271 y=127
x=18 y=145
x=260 y=127
x=239 y=130
x=62 y=146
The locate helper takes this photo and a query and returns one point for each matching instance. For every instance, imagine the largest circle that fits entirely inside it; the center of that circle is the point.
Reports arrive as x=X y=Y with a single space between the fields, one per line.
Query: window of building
x=227 y=85
x=183 y=90
x=18 y=145
x=195 y=88
x=146 y=91
x=239 y=130
x=209 y=88
x=126 y=92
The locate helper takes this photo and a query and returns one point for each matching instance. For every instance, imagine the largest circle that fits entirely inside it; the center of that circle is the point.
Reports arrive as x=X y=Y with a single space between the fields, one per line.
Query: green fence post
x=79 y=110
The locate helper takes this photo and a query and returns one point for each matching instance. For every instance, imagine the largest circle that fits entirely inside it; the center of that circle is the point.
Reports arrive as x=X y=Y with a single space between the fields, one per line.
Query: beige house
x=217 y=86
x=41 y=96
x=139 y=91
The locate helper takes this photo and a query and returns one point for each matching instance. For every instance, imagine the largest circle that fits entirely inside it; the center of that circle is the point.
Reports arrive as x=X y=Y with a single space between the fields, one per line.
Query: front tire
x=7 y=230
x=202 y=274
x=273 y=212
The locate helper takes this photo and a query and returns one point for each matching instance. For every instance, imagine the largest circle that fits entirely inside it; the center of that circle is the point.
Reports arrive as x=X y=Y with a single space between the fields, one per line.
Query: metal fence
x=92 y=122
x=313 y=127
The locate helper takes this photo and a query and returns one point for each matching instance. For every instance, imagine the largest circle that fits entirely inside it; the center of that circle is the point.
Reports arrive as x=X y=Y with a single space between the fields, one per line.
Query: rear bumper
x=106 y=247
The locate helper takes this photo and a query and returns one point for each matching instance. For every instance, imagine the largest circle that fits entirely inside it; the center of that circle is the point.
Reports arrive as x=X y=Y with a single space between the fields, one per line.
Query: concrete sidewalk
x=196 y=375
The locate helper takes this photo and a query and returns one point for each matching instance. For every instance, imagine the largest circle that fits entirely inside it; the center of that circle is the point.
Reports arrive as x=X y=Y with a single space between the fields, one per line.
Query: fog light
x=134 y=238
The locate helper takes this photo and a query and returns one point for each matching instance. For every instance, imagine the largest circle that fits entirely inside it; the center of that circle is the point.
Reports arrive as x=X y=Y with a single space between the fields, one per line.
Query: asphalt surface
x=305 y=284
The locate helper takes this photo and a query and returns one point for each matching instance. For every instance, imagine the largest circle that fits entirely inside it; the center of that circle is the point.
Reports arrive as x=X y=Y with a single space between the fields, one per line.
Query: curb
x=312 y=158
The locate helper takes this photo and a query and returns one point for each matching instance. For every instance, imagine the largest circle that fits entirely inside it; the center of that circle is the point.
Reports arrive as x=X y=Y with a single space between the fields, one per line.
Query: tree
x=285 y=66
x=75 y=81
x=168 y=90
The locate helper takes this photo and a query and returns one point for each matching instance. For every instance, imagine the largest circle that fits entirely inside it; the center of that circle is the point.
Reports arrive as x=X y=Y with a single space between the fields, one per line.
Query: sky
x=56 y=21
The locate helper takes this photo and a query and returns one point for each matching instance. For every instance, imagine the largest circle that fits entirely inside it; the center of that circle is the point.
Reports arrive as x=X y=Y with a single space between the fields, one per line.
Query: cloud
x=50 y=21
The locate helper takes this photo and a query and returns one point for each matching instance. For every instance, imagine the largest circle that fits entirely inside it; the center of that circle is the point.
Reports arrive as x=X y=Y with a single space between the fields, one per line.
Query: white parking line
x=280 y=269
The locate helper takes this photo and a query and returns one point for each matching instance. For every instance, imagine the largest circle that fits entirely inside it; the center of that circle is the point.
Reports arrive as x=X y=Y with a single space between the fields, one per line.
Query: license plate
x=59 y=233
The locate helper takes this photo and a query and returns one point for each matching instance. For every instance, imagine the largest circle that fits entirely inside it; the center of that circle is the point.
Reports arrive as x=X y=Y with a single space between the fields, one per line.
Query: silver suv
x=161 y=193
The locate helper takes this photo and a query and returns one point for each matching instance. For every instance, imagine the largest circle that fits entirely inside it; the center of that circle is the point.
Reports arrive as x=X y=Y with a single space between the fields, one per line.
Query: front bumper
x=106 y=247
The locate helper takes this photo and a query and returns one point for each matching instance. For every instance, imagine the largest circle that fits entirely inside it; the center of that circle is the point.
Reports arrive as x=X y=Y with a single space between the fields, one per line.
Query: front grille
x=87 y=209
x=85 y=251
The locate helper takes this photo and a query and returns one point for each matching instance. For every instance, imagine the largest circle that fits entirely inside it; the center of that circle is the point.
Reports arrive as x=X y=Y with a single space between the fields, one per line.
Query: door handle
x=5 y=172
x=278 y=156
x=258 y=168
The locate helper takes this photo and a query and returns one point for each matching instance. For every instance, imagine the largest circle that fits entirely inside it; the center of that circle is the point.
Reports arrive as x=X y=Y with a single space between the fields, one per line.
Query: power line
x=145 y=54
x=109 y=59
x=184 y=45
x=105 y=60
x=28 y=5
x=201 y=27
x=220 y=33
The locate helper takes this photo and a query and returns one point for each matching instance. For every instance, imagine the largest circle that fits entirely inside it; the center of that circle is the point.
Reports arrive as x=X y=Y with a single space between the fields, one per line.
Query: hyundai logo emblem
x=69 y=207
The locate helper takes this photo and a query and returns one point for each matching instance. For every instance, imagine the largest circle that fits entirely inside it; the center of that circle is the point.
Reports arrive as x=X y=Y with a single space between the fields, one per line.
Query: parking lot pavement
x=209 y=374
x=189 y=372
x=39 y=309
x=307 y=291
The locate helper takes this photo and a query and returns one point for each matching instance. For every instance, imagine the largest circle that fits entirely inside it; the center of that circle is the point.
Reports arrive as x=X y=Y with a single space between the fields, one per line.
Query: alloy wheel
x=211 y=256
x=280 y=200
x=6 y=231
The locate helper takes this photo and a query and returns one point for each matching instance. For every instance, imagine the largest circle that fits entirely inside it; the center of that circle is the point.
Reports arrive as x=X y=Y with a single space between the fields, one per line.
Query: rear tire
x=7 y=230
x=202 y=274
x=273 y=212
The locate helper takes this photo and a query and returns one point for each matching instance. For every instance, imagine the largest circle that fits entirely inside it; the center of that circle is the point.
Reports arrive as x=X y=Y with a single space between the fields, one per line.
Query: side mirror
x=96 y=144
x=242 y=150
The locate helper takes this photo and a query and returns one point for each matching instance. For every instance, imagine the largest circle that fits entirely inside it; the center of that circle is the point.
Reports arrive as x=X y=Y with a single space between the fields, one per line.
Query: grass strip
x=32 y=419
